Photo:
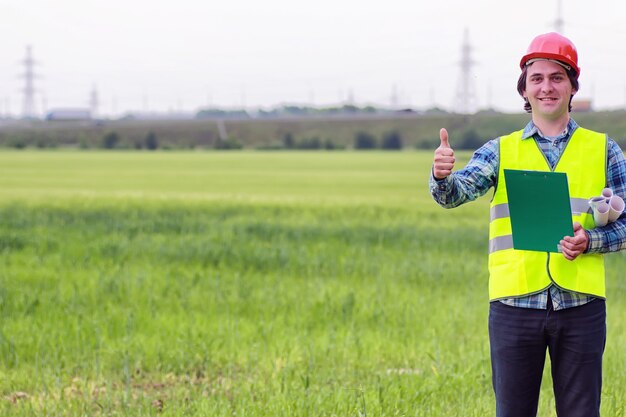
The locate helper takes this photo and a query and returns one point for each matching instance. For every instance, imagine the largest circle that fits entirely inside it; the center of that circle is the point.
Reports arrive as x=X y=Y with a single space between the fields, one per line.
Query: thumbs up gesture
x=443 y=162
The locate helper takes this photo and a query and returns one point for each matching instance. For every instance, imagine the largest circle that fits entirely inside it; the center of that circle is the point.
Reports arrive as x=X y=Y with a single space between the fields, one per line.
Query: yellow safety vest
x=514 y=273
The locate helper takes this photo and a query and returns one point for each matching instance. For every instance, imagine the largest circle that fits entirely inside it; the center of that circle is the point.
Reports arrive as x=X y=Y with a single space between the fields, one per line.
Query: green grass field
x=249 y=284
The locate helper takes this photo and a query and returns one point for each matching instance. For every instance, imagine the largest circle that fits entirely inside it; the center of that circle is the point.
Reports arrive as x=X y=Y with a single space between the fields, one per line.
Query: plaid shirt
x=480 y=174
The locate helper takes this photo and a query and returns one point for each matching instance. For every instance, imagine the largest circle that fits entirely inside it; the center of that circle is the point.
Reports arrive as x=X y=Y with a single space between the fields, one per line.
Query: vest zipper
x=548 y=270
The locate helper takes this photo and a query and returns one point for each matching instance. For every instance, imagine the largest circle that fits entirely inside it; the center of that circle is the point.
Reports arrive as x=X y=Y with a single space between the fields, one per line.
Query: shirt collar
x=531 y=129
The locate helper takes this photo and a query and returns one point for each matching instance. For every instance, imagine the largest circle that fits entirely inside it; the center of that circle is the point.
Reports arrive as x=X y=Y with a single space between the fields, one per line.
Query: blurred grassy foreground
x=249 y=284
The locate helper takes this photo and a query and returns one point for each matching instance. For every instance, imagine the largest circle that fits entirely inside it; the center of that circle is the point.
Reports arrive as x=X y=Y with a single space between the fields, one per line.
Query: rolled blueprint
x=593 y=203
x=616 y=207
x=607 y=193
x=601 y=214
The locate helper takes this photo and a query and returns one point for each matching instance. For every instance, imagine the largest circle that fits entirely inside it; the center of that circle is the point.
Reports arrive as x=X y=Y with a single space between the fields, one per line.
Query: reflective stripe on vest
x=514 y=273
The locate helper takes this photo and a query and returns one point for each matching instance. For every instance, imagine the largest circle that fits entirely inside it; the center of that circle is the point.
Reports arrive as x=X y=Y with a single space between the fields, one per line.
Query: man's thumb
x=443 y=136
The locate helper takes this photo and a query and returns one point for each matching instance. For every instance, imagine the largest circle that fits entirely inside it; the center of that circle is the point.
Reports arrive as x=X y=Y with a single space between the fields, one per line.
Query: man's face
x=548 y=90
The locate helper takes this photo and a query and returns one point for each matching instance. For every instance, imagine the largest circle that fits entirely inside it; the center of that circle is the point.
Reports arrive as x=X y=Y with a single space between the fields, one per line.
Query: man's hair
x=521 y=86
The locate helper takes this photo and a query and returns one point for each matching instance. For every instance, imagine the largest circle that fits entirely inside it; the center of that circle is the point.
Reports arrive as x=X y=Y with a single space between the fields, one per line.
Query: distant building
x=581 y=106
x=406 y=111
x=172 y=115
x=225 y=114
x=69 y=115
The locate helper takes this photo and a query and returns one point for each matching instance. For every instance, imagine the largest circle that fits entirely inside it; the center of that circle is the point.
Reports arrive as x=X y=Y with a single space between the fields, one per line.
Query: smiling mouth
x=548 y=99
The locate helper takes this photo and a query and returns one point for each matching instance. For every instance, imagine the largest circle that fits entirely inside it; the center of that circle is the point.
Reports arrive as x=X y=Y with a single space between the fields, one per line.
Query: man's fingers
x=443 y=165
x=444 y=152
x=568 y=252
x=574 y=243
x=573 y=240
x=579 y=242
x=572 y=247
x=443 y=137
x=441 y=155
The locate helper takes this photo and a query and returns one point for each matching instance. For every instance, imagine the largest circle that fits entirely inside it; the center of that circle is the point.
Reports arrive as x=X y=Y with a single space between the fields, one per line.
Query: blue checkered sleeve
x=612 y=237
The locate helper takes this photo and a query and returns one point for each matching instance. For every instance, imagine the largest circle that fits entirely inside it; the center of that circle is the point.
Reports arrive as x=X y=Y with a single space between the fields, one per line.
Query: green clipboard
x=540 y=209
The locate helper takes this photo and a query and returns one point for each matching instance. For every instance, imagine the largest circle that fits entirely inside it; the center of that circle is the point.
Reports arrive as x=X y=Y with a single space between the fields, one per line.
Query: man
x=544 y=301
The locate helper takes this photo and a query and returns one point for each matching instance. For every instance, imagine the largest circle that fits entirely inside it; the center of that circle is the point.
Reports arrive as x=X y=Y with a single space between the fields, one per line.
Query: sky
x=184 y=55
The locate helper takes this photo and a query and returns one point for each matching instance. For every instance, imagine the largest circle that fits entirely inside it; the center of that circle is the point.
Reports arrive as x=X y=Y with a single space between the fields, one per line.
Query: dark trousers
x=574 y=337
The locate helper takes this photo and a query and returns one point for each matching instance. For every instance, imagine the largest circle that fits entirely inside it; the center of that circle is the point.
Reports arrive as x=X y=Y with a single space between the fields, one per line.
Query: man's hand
x=572 y=246
x=443 y=162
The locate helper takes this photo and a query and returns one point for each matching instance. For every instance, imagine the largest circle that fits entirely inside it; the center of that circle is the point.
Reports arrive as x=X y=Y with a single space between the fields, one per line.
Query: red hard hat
x=552 y=46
